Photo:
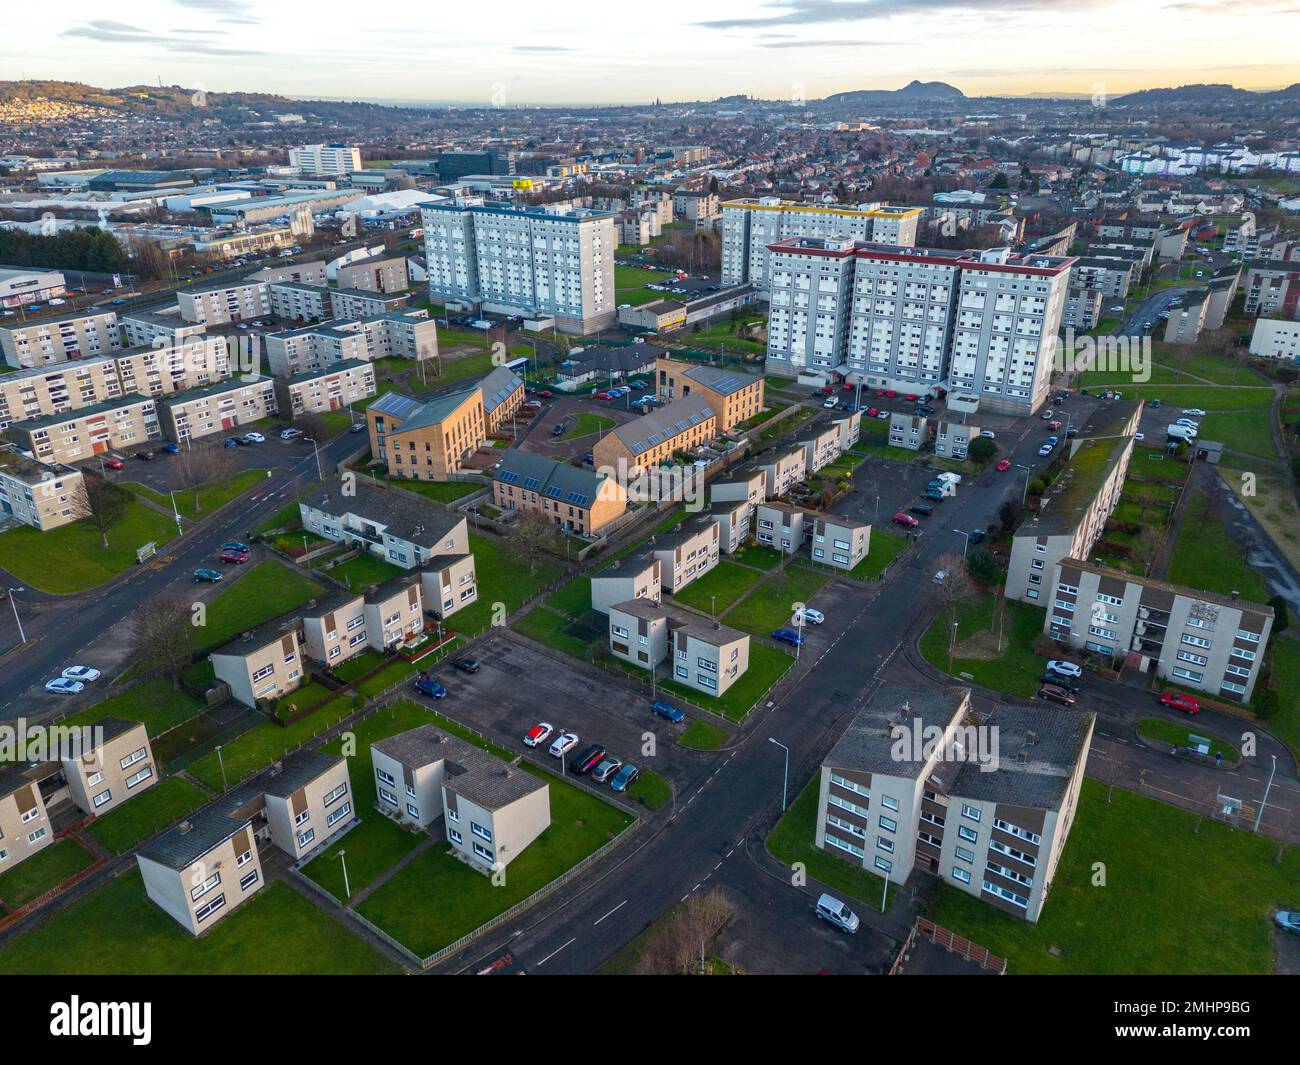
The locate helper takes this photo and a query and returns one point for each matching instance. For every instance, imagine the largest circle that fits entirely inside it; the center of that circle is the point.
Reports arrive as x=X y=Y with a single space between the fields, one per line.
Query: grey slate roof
x=1038 y=750
x=663 y=423
x=867 y=743
x=403 y=514
x=556 y=480
x=471 y=772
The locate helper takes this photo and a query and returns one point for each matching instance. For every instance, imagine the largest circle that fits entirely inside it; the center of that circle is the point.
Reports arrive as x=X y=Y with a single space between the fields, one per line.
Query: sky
x=515 y=52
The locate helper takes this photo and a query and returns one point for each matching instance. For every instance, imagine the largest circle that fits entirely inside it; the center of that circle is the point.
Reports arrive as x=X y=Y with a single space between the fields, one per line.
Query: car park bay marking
x=555 y=952
x=613 y=911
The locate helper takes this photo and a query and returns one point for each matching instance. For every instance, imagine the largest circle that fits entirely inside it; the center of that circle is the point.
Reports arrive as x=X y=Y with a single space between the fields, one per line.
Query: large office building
x=540 y=262
x=750 y=226
x=979 y=323
x=325 y=160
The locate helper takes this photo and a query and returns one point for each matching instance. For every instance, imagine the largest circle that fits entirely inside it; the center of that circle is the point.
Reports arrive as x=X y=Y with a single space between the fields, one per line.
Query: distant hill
x=1203 y=95
x=912 y=92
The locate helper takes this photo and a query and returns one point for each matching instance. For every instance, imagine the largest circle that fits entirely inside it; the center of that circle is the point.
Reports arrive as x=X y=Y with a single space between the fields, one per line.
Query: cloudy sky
x=522 y=51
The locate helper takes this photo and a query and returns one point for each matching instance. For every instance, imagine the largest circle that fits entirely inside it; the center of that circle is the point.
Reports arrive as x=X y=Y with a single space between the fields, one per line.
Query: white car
x=564 y=743
x=1139 y=437
x=1046 y=449
x=254 y=438
x=63 y=686
x=290 y=434
x=1065 y=669
x=830 y=402
x=1194 y=412
x=83 y=673
x=809 y=616
x=987 y=434
x=538 y=734
x=1188 y=423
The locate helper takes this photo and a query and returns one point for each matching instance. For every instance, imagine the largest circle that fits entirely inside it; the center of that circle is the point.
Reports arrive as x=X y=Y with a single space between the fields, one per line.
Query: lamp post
x=347 y=888
x=952 y=644
x=785 y=779
x=222 y=763
x=22 y=637
x=1024 y=494
x=171 y=494
x=1264 y=802
x=320 y=473
x=965 y=543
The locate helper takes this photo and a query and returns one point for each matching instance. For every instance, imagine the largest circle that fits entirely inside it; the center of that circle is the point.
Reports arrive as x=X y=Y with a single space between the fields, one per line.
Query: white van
x=830 y=909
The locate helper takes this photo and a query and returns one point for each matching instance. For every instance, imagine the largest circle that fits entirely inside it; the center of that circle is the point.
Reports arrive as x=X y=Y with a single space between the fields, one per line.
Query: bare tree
x=161 y=637
x=202 y=464
x=955 y=588
x=682 y=943
x=102 y=504
x=1147 y=545
x=531 y=537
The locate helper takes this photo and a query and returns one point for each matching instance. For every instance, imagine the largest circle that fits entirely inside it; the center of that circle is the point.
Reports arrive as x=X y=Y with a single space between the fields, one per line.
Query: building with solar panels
x=426 y=440
x=734 y=394
x=656 y=437
x=574 y=498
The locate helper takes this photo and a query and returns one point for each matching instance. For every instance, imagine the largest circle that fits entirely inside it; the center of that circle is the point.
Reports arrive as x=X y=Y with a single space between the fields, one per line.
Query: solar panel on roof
x=579 y=499
x=531 y=482
x=553 y=491
x=509 y=475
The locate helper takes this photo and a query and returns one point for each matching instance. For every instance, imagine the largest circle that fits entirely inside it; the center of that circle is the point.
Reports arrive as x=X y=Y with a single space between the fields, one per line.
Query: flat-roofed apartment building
x=639 y=576
x=540 y=262
x=701 y=654
x=491 y=810
x=409 y=334
x=24 y=825
x=426 y=440
x=205 y=867
x=376 y=273
x=576 y=499
x=46 y=343
x=299 y=301
x=141 y=329
x=321 y=391
x=734 y=395
x=358 y=303
x=1273 y=338
x=913 y=783
x=839 y=542
x=40 y=495
x=686 y=554
x=1214 y=643
x=88 y=431
x=657 y=436
x=225 y=405
x=261 y=664
x=161 y=371
x=751 y=225
x=1072 y=514
x=1272 y=288
x=312 y=272
x=120 y=766
x=228 y=301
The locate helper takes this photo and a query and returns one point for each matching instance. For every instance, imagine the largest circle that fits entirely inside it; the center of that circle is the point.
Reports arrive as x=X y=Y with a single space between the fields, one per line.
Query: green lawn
x=1285 y=723
x=651 y=790
x=436 y=899
x=792 y=841
x=152 y=702
x=147 y=814
x=263 y=591
x=441 y=491
x=588 y=424
x=373 y=847
x=358 y=665
x=718 y=589
x=1016 y=670
x=287 y=517
x=275 y=932
x=1182 y=895
x=1166 y=731
x=73 y=558
x=885 y=547
x=364 y=570
x=1206 y=557
x=502 y=578
x=546 y=626
x=1249 y=433
x=757 y=555
x=44 y=870
x=770 y=606
x=703 y=736
x=767 y=665
x=211 y=496
x=1207 y=397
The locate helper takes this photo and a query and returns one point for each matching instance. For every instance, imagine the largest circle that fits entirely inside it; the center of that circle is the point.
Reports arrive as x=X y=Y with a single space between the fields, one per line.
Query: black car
x=465 y=665
x=924 y=509
x=145 y=456
x=586 y=760
x=558 y=430
x=1069 y=683
x=924 y=412
x=976 y=536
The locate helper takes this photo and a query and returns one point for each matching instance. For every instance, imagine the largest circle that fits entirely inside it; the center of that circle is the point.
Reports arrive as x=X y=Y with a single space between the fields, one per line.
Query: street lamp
x=22 y=637
x=320 y=474
x=965 y=543
x=347 y=888
x=785 y=779
x=1267 y=788
x=1024 y=494
x=222 y=763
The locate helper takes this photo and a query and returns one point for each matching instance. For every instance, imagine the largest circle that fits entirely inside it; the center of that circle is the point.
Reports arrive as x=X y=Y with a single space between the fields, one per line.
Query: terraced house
x=426 y=441
x=24 y=824
x=117 y=768
x=657 y=437
x=576 y=499
x=261 y=664
x=914 y=783
x=736 y=396
x=344 y=624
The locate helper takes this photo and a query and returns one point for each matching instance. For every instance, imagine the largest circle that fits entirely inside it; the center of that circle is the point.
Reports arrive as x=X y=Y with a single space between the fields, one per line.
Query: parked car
x=235 y=545
x=987 y=434
x=976 y=536
x=1194 y=412
x=1065 y=669
x=86 y=674
x=63 y=686
x=1045 y=450
x=430 y=687
x=237 y=558
x=924 y=509
x=231 y=442
x=872 y=411
x=203 y=575
x=115 y=464
x=558 y=429
x=1054 y=693
x=905 y=519
x=809 y=616
x=606 y=769
x=564 y=742
x=625 y=777
x=788 y=636
x=1187 y=704
x=357 y=427
x=933 y=493
x=666 y=710
x=882 y=414
x=1288 y=920
x=587 y=759
x=830 y=402
x=546 y=393
x=1003 y=466
x=290 y=433
x=834 y=912
x=539 y=734
x=170 y=449
x=145 y=456
x=465 y=665
x=1069 y=683
x=253 y=438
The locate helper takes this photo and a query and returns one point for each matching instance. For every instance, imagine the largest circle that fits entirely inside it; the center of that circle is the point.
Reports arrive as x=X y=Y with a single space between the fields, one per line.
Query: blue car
x=231 y=442
x=624 y=778
x=430 y=687
x=788 y=636
x=207 y=576
x=170 y=449
x=667 y=711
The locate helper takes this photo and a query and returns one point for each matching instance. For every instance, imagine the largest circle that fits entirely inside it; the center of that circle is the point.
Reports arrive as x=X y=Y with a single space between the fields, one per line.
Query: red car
x=890 y=394
x=1004 y=465
x=906 y=519
x=115 y=464
x=603 y=395
x=546 y=393
x=1176 y=701
x=872 y=411
x=847 y=387
x=911 y=397
x=231 y=555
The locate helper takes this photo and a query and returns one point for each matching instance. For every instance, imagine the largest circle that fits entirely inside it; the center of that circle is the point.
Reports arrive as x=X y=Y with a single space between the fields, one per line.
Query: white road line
x=613 y=911
x=554 y=952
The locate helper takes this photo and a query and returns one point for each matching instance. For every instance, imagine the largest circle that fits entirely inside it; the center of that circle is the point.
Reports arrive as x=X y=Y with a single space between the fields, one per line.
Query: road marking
x=614 y=910
x=555 y=952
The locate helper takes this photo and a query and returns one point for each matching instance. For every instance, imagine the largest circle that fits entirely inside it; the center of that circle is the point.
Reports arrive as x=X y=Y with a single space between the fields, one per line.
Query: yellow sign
x=523 y=183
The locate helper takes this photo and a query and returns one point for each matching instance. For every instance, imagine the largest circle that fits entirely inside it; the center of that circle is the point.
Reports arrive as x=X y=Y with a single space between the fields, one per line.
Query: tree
x=1008 y=515
x=682 y=943
x=982 y=450
x=102 y=504
x=531 y=537
x=956 y=587
x=999 y=182
x=202 y=464
x=1281 y=614
x=1147 y=545
x=161 y=637
x=981 y=565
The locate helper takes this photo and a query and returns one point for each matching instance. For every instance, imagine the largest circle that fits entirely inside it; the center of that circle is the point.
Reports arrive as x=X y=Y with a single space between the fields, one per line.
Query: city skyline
x=801 y=49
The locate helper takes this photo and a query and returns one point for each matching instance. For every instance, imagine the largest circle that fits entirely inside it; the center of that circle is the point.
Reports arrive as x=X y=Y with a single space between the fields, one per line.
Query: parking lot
x=567 y=410
x=162 y=475
x=517 y=687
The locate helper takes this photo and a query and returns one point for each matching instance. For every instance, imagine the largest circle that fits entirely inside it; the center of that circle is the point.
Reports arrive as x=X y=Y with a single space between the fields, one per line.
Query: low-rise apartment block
x=426 y=440
x=734 y=518
x=449 y=583
x=639 y=576
x=40 y=495
x=321 y=391
x=394 y=613
x=657 y=436
x=687 y=554
x=1214 y=643
x=576 y=499
x=396 y=525
x=491 y=810
x=782 y=470
x=917 y=783
x=230 y=301
x=953 y=439
x=144 y=329
x=80 y=336
x=89 y=431
x=24 y=824
x=839 y=542
x=734 y=395
x=702 y=654
x=120 y=766
x=261 y=664
x=377 y=273
x=228 y=404
x=780 y=526
x=820 y=448
x=1273 y=338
